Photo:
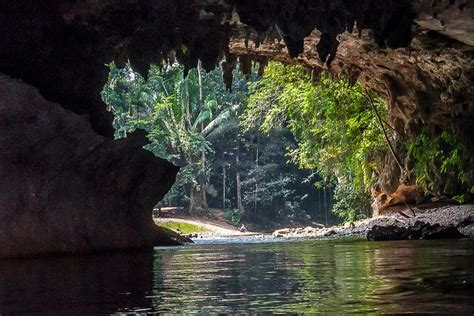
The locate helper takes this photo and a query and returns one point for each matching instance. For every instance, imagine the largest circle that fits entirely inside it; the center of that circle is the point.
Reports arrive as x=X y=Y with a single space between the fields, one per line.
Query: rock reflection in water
x=76 y=285
x=316 y=276
x=426 y=278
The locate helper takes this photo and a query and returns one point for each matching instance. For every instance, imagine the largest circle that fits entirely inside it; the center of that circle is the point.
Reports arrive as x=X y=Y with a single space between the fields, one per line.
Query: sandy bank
x=214 y=229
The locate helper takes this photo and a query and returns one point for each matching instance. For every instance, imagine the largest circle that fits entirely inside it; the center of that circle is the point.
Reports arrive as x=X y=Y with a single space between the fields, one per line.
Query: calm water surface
x=325 y=276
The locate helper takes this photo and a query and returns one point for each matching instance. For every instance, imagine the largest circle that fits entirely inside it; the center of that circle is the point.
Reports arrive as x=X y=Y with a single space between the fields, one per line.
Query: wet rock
x=419 y=230
x=192 y=235
x=66 y=189
x=467 y=230
x=310 y=230
x=447 y=222
x=306 y=232
x=331 y=232
x=281 y=232
x=466 y=227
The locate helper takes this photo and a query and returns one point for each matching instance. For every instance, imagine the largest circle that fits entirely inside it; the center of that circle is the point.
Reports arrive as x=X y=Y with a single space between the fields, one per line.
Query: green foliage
x=350 y=203
x=184 y=228
x=182 y=116
x=443 y=161
x=232 y=216
x=169 y=107
x=194 y=122
x=270 y=181
x=461 y=199
x=336 y=131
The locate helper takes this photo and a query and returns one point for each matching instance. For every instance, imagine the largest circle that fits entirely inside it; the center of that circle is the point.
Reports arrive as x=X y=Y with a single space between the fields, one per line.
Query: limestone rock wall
x=66 y=189
x=430 y=82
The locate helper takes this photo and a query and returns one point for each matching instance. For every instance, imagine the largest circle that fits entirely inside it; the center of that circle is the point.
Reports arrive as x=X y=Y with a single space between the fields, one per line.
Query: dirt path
x=216 y=228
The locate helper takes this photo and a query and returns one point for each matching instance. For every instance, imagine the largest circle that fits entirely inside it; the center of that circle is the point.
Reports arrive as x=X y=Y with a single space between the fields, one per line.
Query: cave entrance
x=63 y=175
x=274 y=148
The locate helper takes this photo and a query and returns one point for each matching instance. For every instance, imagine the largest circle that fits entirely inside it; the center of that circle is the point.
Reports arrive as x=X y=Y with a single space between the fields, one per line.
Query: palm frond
x=204 y=115
x=220 y=119
x=222 y=129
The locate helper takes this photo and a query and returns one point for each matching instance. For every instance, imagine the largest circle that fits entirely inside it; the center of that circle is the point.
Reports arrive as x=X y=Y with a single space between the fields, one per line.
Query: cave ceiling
x=417 y=54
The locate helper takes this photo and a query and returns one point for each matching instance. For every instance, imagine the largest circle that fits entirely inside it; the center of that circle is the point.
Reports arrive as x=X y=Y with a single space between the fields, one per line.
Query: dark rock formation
x=389 y=20
x=66 y=186
x=62 y=47
x=419 y=230
x=427 y=82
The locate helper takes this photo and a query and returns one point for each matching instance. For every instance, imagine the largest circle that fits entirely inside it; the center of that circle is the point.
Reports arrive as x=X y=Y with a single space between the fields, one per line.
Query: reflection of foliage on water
x=237 y=277
x=344 y=278
x=326 y=276
x=216 y=272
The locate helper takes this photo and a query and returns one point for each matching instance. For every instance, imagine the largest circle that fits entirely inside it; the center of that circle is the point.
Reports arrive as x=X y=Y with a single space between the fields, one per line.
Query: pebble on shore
x=461 y=217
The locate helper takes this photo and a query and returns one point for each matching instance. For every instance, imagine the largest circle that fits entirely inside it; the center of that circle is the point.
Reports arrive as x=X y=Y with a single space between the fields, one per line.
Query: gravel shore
x=459 y=216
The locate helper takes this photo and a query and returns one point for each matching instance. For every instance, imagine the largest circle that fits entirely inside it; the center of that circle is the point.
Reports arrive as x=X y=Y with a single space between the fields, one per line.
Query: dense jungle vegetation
x=280 y=147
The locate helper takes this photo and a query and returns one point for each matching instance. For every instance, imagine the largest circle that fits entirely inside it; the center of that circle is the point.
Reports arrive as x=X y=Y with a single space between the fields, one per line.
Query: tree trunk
x=237 y=180
x=223 y=186
x=192 y=202
x=325 y=207
x=256 y=182
x=203 y=182
x=196 y=204
x=319 y=203
x=201 y=97
x=203 y=177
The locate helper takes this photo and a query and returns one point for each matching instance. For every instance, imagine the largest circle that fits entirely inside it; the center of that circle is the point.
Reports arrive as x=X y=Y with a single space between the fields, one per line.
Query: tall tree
x=179 y=119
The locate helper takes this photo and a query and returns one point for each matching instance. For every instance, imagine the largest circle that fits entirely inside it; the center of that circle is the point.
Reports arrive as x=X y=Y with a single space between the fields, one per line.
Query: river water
x=250 y=275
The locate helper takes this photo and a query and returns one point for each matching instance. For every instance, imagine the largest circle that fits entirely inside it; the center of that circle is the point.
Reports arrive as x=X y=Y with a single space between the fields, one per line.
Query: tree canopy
x=336 y=131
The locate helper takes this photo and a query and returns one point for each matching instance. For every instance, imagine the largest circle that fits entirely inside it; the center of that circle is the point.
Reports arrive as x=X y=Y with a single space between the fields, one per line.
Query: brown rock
x=65 y=188
x=281 y=232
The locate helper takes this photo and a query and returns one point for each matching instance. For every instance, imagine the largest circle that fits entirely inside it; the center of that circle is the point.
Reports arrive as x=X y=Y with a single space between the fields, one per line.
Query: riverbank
x=451 y=221
x=440 y=222
x=205 y=228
